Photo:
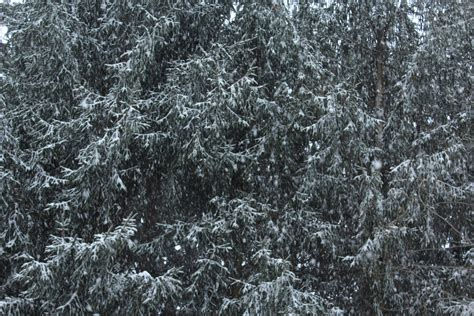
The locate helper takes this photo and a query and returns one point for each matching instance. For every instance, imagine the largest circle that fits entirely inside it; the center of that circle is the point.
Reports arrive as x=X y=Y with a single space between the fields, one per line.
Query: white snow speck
x=88 y=308
x=376 y=164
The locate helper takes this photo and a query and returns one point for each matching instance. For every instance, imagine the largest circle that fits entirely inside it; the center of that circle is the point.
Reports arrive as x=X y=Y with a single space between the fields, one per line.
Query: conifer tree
x=236 y=157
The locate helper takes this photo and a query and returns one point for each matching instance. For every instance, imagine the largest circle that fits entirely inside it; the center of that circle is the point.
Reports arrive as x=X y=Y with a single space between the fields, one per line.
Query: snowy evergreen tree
x=236 y=157
x=392 y=152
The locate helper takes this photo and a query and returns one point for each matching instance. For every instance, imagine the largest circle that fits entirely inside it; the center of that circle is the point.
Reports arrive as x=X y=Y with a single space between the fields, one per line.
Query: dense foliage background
x=237 y=157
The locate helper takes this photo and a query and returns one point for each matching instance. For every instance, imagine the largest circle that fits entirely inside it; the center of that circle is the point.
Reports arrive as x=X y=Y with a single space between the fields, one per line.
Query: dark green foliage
x=249 y=157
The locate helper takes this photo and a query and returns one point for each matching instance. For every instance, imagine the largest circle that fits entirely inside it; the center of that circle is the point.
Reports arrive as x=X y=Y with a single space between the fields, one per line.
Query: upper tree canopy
x=236 y=157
